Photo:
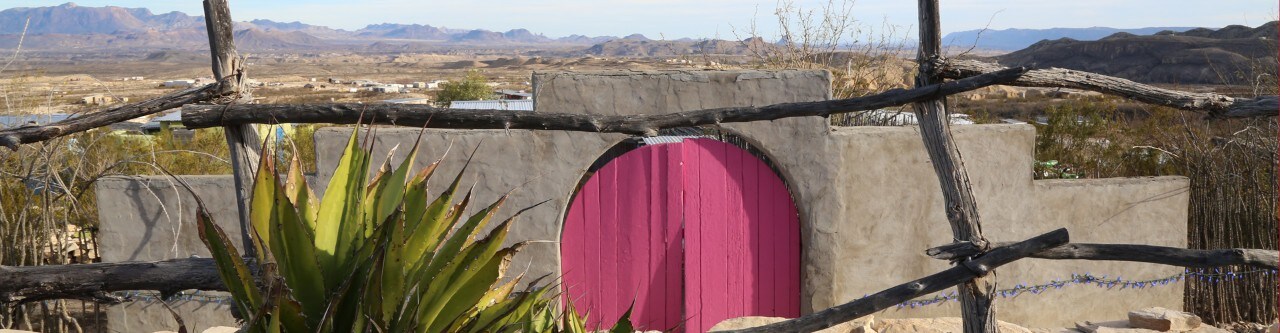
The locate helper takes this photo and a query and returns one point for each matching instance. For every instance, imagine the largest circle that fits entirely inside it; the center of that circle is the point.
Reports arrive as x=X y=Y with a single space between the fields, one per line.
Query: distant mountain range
x=72 y=26
x=1017 y=39
x=1234 y=54
x=1165 y=54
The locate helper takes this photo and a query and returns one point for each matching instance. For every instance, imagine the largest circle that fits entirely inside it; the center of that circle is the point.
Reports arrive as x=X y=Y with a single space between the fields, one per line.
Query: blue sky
x=715 y=18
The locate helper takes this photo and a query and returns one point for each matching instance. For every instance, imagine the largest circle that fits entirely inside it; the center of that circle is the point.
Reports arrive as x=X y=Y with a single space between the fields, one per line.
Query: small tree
x=472 y=87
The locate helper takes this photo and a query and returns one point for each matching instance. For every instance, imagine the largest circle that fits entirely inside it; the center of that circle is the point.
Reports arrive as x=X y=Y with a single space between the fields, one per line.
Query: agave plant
x=372 y=255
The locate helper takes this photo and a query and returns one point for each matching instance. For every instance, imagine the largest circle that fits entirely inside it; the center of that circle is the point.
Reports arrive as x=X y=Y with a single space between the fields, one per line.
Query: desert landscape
x=753 y=183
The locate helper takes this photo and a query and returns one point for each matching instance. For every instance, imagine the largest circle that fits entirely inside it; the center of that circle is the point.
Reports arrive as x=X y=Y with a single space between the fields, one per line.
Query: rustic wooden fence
x=226 y=104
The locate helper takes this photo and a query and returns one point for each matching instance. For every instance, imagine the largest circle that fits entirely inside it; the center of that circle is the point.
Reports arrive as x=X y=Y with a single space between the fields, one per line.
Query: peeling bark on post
x=242 y=140
x=977 y=296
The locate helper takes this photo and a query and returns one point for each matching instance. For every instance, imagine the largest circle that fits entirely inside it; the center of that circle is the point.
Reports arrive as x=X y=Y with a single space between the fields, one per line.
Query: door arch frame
x=732 y=137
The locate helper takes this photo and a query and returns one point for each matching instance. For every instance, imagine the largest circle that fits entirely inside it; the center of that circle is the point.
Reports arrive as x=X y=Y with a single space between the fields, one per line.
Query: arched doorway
x=691 y=232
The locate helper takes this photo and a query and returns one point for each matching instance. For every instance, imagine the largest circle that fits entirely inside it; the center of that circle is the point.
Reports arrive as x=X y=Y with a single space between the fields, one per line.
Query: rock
x=1209 y=329
x=1275 y=327
x=860 y=325
x=935 y=325
x=745 y=322
x=1164 y=320
x=1117 y=326
x=221 y=329
x=1055 y=330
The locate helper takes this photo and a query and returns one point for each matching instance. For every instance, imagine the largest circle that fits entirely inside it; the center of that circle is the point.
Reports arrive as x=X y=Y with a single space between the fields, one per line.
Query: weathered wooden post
x=977 y=295
x=242 y=140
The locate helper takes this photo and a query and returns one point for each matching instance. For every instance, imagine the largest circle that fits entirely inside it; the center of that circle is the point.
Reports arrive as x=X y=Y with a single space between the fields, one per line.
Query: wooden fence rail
x=1215 y=105
x=89 y=281
x=12 y=138
x=203 y=116
x=94 y=281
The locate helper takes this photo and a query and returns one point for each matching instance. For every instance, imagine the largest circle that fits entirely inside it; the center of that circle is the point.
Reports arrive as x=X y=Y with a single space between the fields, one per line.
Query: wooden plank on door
x=573 y=246
x=752 y=168
x=671 y=261
x=608 y=251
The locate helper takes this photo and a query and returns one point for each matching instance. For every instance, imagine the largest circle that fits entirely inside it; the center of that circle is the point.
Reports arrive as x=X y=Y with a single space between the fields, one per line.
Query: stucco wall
x=881 y=218
x=869 y=202
x=153 y=218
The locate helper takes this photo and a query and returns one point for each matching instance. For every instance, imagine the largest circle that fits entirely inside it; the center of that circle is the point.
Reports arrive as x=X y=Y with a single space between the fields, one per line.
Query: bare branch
x=1214 y=105
x=14 y=137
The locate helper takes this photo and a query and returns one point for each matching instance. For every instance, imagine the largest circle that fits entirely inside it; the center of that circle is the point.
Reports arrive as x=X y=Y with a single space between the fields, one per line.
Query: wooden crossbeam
x=14 y=137
x=1215 y=105
x=86 y=281
x=203 y=116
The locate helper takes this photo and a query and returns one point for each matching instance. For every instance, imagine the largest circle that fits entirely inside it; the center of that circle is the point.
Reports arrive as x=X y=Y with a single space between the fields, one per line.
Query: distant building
x=178 y=83
x=513 y=94
x=435 y=84
x=165 y=122
x=388 y=88
x=100 y=99
x=418 y=85
x=408 y=101
x=510 y=105
x=30 y=119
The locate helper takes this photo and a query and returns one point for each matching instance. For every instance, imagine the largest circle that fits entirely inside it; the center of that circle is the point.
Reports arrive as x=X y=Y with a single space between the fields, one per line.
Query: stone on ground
x=1054 y=330
x=1209 y=329
x=860 y=325
x=935 y=325
x=1118 y=326
x=1164 y=320
x=221 y=329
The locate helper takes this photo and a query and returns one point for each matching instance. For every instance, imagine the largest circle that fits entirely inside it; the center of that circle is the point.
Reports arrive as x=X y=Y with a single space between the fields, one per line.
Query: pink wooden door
x=693 y=233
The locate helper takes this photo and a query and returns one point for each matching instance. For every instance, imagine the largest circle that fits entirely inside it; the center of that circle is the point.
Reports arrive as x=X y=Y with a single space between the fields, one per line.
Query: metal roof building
x=510 y=105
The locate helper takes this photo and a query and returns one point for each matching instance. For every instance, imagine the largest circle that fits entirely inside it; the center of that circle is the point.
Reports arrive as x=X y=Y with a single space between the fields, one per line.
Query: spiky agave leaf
x=301 y=196
x=373 y=255
x=231 y=267
x=336 y=230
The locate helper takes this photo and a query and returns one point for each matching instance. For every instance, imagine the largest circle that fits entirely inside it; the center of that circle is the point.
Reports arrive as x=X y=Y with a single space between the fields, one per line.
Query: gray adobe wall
x=868 y=199
x=153 y=218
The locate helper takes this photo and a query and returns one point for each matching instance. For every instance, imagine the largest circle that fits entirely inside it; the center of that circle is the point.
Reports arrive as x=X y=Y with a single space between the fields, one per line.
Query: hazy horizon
x=724 y=19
